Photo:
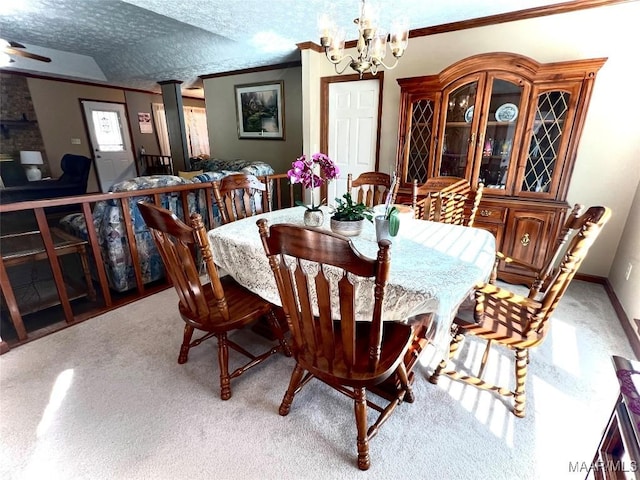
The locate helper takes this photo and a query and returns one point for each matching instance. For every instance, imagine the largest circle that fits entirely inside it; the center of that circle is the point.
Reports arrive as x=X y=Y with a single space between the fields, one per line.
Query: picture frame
x=144 y=121
x=260 y=110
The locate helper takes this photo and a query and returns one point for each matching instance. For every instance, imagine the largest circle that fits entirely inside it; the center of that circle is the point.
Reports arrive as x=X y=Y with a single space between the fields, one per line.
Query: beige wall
x=60 y=118
x=607 y=170
x=141 y=103
x=628 y=291
x=221 y=119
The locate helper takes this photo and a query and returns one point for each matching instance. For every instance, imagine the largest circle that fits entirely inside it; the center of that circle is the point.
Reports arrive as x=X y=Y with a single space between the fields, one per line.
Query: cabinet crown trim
x=524 y=66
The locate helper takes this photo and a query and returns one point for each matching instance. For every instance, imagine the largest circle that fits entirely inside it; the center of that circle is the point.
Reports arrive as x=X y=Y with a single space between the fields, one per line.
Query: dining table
x=434 y=266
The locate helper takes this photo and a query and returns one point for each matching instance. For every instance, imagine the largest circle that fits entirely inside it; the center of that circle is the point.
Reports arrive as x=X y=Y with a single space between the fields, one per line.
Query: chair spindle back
x=177 y=244
x=372 y=188
x=314 y=271
x=240 y=196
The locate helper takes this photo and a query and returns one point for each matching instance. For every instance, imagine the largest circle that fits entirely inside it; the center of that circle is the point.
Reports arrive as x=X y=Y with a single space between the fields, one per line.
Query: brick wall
x=16 y=104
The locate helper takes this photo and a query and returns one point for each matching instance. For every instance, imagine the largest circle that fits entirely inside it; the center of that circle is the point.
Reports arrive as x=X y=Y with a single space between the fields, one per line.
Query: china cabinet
x=509 y=122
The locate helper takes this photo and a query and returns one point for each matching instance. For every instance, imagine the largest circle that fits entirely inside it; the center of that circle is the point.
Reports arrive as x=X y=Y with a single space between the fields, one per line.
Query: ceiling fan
x=9 y=48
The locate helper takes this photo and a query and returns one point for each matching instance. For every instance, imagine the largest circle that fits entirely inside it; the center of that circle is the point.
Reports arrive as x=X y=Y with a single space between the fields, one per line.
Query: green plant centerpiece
x=349 y=216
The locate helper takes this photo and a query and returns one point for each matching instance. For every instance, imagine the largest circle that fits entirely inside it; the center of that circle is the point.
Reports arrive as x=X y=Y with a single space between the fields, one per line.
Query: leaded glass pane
x=108 y=131
x=420 y=141
x=548 y=127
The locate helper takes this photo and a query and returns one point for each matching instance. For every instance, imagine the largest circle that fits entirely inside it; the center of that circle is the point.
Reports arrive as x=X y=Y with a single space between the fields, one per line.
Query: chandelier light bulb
x=326 y=27
x=336 y=44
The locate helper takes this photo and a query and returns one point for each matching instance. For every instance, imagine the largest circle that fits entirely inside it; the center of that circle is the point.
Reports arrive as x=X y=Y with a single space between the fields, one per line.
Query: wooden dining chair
x=282 y=192
x=443 y=184
x=349 y=354
x=448 y=207
x=425 y=198
x=216 y=308
x=517 y=322
x=371 y=188
x=239 y=196
x=474 y=206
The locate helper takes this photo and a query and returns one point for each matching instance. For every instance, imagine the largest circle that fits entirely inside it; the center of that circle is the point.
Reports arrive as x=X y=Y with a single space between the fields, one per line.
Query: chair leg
x=453 y=348
x=277 y=331
x=522 y=357
x=223 y=361
x=296 y=378
x=360 y=405
x=186 y=344
x=404 y=383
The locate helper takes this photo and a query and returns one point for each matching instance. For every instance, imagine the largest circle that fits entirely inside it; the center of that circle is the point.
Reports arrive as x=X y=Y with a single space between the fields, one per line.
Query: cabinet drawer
x=491 y=213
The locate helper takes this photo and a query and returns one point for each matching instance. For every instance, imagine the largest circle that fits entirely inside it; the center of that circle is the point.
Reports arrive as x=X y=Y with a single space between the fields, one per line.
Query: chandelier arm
x=350 y=59
x=387 y=66
x=341 y=71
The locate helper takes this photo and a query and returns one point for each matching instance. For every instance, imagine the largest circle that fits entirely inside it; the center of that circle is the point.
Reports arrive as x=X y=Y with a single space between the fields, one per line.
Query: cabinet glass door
x=421 y=139
x=458 y=129
x=499 y=139
x=548 y=142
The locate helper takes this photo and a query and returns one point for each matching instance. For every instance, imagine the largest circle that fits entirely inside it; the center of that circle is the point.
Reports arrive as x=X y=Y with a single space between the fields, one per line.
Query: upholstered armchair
x=73 y=181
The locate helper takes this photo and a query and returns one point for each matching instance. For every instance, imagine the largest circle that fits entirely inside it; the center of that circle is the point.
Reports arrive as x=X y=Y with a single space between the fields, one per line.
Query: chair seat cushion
x=396 y=338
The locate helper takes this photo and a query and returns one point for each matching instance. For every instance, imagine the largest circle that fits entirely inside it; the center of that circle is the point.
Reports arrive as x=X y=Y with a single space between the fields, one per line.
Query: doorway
x=110 y=142
x=351 y=111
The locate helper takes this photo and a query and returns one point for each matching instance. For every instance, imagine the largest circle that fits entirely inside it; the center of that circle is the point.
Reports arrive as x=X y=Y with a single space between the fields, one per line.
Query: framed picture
x=260 y=110
x=144 y=120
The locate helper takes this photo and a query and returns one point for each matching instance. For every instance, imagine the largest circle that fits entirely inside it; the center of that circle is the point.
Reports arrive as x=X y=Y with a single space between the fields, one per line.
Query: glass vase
x=382 y=228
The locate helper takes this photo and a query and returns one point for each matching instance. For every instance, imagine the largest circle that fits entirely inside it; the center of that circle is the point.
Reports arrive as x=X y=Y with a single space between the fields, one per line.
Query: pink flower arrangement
x=302 y=171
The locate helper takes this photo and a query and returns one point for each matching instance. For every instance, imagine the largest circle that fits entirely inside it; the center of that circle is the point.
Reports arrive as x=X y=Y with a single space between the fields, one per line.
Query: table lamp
x=31 y=160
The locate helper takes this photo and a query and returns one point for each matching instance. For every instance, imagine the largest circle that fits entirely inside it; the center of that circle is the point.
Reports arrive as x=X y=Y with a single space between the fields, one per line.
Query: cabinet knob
x=525 y=240
x=485 y=213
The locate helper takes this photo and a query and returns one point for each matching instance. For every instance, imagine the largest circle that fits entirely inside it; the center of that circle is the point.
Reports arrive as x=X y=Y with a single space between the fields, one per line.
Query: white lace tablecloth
x=434 y=266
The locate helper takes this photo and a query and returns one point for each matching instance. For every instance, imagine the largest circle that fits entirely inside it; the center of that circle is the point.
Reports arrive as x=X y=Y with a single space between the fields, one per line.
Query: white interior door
x=110 y=141
x=353 y=130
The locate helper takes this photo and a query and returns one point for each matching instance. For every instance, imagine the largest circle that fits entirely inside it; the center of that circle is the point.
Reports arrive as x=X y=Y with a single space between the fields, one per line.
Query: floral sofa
x=108 y=221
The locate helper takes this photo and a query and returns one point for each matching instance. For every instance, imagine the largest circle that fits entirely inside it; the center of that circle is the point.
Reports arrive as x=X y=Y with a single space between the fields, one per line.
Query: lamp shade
x=31 y=158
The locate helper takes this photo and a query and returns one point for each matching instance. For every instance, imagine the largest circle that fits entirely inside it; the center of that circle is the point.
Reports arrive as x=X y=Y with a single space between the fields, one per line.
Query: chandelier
x=372 y=42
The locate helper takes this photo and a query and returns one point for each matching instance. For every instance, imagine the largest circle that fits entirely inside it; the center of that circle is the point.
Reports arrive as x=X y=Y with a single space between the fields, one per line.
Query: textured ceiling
x=137 y=43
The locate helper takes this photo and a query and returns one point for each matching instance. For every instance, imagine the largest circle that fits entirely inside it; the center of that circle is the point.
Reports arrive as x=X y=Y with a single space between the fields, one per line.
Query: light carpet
x=106 y=399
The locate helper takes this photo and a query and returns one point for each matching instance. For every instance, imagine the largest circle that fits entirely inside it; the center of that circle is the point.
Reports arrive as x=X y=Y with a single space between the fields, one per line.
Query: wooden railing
x=157 y=164
x=84 y=204
x=46 y=217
